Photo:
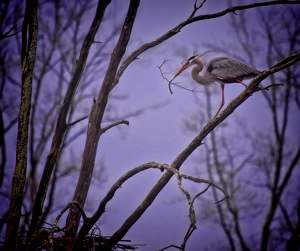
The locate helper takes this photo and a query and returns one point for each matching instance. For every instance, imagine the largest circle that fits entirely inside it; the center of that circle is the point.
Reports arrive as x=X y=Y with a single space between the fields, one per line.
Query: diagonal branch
x=77 y=121
x=96 y=116
x=89 y=222
x=253 y=86
x=196 y=142
x=101 y=209
x=6 y=34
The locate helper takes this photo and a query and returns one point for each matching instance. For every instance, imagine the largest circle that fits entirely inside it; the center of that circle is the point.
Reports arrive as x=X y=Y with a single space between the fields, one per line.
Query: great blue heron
x=223 y=70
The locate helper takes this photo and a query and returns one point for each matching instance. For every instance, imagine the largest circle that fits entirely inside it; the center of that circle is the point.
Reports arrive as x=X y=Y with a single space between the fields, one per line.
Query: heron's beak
x=181 y=70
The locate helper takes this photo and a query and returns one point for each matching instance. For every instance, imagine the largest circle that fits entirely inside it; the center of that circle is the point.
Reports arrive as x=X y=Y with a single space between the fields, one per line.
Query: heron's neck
x=201 y=79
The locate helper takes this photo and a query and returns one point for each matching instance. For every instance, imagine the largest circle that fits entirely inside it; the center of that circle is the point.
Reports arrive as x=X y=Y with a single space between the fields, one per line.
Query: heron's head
x=192 y=60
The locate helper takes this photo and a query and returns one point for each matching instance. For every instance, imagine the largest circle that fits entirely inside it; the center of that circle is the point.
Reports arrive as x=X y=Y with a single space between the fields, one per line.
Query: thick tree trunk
x=95 y=120
x=62 y=126
x=19 y=178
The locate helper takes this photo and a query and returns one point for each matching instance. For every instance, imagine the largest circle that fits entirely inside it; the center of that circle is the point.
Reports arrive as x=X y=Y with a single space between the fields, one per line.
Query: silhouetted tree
x=272 y=155
x=67 y=18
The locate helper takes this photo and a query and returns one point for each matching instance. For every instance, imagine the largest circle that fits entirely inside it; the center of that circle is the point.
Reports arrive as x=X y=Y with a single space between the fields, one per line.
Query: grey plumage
x=223 y=70
x=230 y=69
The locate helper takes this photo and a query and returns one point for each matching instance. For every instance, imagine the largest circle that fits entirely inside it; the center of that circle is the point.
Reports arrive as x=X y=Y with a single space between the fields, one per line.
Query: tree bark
x=95 y=120
x=62 y=126
x=197 y=141
x=30 y=25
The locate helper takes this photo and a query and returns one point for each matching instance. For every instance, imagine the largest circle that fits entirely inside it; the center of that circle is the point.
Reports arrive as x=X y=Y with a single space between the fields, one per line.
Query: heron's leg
x=242 y=83
x=223 y=100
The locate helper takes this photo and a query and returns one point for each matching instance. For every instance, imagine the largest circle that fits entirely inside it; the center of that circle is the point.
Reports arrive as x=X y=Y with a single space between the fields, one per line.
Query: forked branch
x=50 y=237
x=89 y=222
x=170 y=81
x=179 y=177
x=196 y=142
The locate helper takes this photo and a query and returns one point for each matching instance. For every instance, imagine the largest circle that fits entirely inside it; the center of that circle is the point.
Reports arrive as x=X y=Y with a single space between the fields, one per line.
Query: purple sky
x=158 y=135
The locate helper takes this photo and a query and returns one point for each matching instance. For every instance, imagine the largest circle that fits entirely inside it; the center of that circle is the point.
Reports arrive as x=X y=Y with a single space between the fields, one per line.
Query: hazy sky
x=158 y=134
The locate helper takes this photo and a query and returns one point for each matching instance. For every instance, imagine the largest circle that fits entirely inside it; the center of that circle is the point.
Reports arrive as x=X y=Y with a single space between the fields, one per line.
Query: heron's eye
x=191 y=59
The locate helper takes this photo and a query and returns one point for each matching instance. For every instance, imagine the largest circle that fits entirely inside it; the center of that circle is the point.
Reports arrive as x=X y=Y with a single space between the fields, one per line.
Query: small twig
x=170 y=81
x=200 y=6
x=163 y=75
x=187 y=236
x=192 y=214
x=196 y=8
x=267 y=87
x=6 y=34
x=103 y=130
x=77 y=121
x=170 y=88
x=170 y=246
x=199 y=180
x=202 y=192
x=50 y=237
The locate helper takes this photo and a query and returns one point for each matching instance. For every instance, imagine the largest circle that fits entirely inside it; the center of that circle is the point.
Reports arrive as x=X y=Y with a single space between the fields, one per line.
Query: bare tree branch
x=103 y=130
x=196 y=142
x=188 y=234
x=77 y=121
x=89 y=222
x=96 y=116
x=95 y=130
x=170 y=81
x=101 y=209
x=179 y=176
x=61 y=126
x=6 y=34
